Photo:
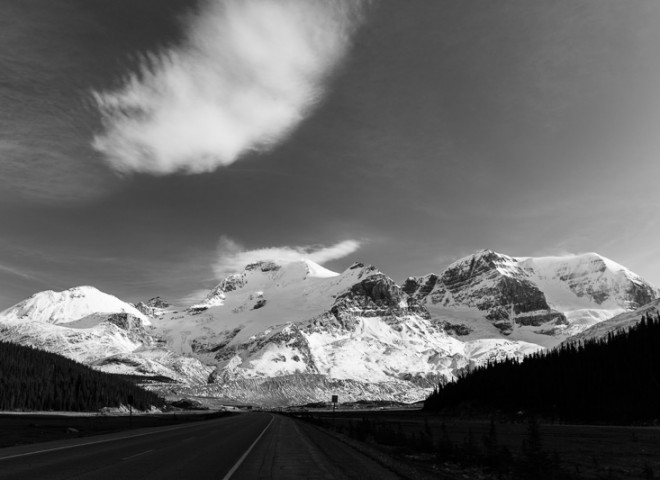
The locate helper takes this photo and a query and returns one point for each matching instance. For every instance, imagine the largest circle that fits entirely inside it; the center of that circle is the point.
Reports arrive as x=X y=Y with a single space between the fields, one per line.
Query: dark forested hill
x=32 y=379
x=615 y=379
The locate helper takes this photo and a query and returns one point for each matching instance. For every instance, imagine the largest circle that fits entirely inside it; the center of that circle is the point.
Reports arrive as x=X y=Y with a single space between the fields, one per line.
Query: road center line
x=138 y=454
x=247 y=452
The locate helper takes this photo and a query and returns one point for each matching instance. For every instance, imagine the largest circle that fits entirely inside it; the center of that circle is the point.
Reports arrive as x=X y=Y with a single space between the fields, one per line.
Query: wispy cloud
x=233 y=258
x=17 y=272
x=248 y=73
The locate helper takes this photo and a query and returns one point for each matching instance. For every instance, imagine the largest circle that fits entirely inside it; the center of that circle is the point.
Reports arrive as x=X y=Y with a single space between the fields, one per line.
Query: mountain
x=286 y=333
x=73 y=305
x=299 y=331
x=617 y=324
x=154 y=307
x=542 y=300
x=97 y=329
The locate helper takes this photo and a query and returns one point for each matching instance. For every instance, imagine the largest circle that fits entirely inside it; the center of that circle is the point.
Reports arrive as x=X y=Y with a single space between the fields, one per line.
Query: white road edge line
x=66 y=447
x=137 y=454
x=247 y=452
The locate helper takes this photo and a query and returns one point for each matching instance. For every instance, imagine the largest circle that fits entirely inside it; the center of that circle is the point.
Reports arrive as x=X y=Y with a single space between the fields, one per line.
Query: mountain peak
x=263 y=266
x=262 y=275
x=303 y=267
x=484 y=255
x=482 y=261
x=69 y=305
x=363 y=268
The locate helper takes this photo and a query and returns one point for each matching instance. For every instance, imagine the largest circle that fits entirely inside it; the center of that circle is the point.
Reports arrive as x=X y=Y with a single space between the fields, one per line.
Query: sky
x=150 y=147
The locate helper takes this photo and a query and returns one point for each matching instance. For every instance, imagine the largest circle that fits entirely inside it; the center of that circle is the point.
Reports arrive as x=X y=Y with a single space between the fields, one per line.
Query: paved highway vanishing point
x=247 y=446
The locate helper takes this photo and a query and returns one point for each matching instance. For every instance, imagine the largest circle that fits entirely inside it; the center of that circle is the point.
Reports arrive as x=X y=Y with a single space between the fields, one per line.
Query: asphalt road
x=248 y=446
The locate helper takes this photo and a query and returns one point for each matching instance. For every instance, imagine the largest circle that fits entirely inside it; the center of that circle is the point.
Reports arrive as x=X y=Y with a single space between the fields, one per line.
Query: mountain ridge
x=528 y=298
x=299 y=322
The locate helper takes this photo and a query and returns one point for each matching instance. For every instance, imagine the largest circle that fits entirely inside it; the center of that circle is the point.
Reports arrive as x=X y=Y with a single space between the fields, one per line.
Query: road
x=247 y=446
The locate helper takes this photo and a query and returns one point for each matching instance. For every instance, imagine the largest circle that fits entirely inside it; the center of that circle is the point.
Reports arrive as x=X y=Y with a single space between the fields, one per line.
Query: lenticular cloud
x=248 y=73
x=233 y=258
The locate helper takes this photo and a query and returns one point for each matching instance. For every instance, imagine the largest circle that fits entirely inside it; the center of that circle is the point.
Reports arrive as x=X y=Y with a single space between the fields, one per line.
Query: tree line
x=32 y=379
x=612 y=380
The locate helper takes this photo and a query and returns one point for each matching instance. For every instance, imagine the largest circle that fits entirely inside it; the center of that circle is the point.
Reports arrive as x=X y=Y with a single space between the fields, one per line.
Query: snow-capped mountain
x=619 y=323
x=297 y=332
x=300 y=328
x=72 y=305
x=98 y=329
x=538 y=299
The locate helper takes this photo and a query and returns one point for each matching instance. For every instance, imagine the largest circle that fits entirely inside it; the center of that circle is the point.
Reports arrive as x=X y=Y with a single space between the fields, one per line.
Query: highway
x=247 y=446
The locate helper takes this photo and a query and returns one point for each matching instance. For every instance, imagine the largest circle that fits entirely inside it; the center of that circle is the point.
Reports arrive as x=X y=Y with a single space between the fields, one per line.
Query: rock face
x=492 y=283
x=133 y=327
x=153 y=307
x=374 y=295
x=530 y=298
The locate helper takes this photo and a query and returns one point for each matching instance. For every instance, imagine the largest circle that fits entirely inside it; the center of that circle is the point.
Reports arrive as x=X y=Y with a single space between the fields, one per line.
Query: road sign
x=335 y=399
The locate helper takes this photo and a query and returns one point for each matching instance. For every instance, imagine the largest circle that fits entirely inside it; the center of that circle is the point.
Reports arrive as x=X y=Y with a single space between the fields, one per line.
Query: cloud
x=192 y=298
x=233 y=258
x=16 y=272
x=247 y=74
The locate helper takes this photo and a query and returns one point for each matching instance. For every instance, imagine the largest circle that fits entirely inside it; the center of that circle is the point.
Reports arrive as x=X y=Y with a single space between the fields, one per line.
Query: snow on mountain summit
x=594 y=280
x=537 y=299
x=69 y=306
x=97 y=329
x=264 y=274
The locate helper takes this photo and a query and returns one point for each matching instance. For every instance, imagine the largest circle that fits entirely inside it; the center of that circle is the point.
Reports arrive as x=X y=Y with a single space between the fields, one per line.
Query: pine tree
x=32 y=379
x=616 y=379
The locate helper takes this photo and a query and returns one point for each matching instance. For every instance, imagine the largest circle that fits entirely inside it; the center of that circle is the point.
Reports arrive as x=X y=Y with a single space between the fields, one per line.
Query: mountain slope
x=97 y=329
x=616 y=324
x=70 y=305
x=542 y=300
x=297 y=331
x=299 y=320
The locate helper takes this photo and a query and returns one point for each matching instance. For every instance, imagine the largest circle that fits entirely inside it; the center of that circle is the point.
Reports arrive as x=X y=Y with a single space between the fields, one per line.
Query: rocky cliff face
x=492 y=283
x=375 y=295
x=544 y=299
x=154 y=307
x=133 y=327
